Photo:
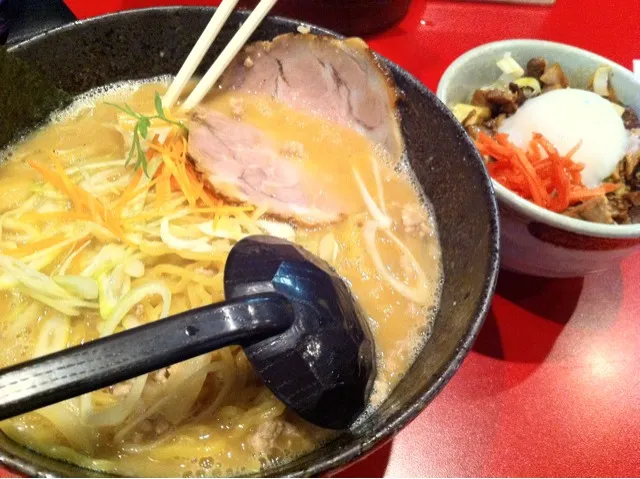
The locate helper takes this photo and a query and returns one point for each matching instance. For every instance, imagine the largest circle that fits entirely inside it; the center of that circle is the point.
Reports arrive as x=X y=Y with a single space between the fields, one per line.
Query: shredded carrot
x=83 y=202
x=48 y=175
x=584 y=195
x=175 y=162
x=128 y=193
x=196 y=184
x=34 y=247
x=145 y=188
x=185 y=184
x=158 y=149
x=177 y=173
x=539 y=174
x=208 y=199
x=225 y=209
x=163 y=189
x=53 y=215
x=175 y=186
x=69 y=187
x=572 y=152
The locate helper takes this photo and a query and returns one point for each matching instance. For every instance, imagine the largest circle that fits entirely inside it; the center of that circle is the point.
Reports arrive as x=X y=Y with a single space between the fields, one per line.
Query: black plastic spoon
x=298 y=323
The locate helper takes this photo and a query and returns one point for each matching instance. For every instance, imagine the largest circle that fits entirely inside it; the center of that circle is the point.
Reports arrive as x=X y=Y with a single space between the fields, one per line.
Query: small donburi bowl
x=534 y=240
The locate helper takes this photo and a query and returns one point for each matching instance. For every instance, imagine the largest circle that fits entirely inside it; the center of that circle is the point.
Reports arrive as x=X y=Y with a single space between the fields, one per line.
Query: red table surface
x=552 y=386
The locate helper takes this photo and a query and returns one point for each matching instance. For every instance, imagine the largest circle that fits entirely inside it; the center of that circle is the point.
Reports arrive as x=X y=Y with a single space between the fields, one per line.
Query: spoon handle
x=97 y=364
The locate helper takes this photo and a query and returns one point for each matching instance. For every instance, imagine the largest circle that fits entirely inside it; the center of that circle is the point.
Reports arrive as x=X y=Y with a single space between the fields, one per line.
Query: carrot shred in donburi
x=539 y=174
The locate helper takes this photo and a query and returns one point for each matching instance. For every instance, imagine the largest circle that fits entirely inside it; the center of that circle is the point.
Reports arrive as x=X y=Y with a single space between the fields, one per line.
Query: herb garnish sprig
x=142 y=130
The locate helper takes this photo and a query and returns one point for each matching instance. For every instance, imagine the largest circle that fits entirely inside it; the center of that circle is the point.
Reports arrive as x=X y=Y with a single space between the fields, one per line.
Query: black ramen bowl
x=146 y=43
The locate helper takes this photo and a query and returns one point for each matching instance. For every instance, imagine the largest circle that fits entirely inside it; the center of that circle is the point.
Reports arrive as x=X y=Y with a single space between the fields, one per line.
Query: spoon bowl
x=323 y=366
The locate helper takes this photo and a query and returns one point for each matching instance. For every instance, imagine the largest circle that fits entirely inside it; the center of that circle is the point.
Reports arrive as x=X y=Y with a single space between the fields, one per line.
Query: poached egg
x=569 y=116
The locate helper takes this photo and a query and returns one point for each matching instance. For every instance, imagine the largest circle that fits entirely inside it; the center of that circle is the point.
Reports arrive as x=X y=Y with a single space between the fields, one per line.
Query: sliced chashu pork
x=337 y=80
x=242 y=164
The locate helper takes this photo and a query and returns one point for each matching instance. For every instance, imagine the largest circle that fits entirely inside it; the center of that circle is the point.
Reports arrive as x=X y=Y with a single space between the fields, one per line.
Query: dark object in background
x=348 y=17
x=4 y=22
x=21 y=19
x=27 y=96
x=83 y=56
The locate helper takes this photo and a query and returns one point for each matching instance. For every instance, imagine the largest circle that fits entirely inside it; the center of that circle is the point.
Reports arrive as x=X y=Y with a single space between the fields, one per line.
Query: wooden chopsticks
x=224 y=59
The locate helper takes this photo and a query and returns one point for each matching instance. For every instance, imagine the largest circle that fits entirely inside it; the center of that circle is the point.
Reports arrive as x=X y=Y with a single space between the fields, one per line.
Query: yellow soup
x=90 y=247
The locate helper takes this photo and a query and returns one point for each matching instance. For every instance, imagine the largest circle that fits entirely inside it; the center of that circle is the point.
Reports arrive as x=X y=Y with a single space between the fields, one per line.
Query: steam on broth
x=90 y=247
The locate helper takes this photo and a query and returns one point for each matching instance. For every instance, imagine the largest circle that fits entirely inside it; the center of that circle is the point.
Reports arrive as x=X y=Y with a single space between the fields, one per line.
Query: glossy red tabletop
x=552 y=386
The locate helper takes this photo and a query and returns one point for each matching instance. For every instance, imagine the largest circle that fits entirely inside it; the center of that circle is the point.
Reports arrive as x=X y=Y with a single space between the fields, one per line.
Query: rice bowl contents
x=591 y=130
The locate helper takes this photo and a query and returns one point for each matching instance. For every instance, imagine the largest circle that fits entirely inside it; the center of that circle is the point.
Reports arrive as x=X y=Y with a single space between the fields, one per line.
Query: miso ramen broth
x=90 y=246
